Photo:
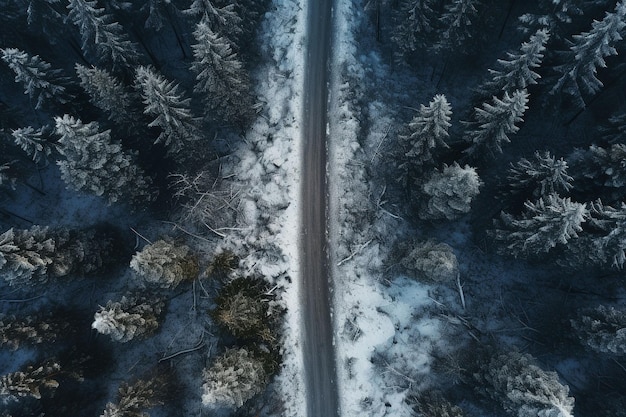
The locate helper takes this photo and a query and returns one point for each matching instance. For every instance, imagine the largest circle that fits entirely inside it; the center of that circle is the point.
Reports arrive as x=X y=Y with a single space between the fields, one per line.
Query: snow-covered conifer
x=41 y=83
x=604 y=166
x=416 y=22
x=615 y=130
x=603 y=329
x=128 y=319
x=432 y=261
x=428 y=131
x=458 y=23
x=550 y=221
x=517 y=71
x=95 y=164
x=106 y=92
x=523 y=388
x=165 y=264
x=587 y=53
x=25 y=255
x=540 y=176
x=243 y=309
x=7 y=178
x=611 y=245
x=171 y=110
x=223 y=19
x=494 y=122
x=221 y=78
x=235 y=377
x=30 y=382
x=133 y=399
x=101 y=35
x=433 y=404
x=17 y=331
x=448 y=193
x=32 y=142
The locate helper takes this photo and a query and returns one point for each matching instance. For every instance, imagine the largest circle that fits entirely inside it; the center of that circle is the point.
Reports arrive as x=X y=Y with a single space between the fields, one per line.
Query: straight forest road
x=317 y=332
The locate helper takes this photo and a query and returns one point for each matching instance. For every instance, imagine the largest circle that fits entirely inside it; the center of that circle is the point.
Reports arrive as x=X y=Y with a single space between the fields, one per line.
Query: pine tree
x=97 y=165
x=550 y=221
x=587 y=53
x=541 y=176
x=30 y=382
x=416 y=22
x=523 y=388
x=25 y=255
x=221 y=78
x=16 y=331
x=243 y=310
x=516 y=72
x=41 y=83
x=448 y=193
x=128 y=319
x=459 y=24
x=33 y=142
x=611 y=245
x=427 y=132
x=133 y=399
x=101 y=35
x=224 y=19
x=165 y=264
x=107 y=93
x=494 y=122
x=164 y=101
x=235 y=377
x=603 y=329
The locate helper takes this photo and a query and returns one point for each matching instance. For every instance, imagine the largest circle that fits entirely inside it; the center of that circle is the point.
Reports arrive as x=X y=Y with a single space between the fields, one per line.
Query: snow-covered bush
x=129 y=318
x=540 y=176
x=30 y=382
x=550 y=221
x=222 y=264
x=432 y=261
x=603 y=329
x=448 y=193
x=94 y=163
x=523 y=388
x=243 y=309
x=234 y=377
x=165 y=264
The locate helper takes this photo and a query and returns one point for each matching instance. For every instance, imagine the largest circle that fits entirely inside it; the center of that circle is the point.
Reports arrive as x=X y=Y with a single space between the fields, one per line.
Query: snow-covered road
x=318 y=349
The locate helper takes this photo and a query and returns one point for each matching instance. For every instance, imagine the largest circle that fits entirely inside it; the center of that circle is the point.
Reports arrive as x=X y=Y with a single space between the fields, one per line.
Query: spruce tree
x=18 y=331
x=494 y=122
x=25 y=255
x=97 y=165
x=540 y=176
x=426 y=134
x=611 y=244
x=603 y=329
x=415 y=24
x=448 y=193
x=41 y=83
x=33 y=142
x=128 y=319
x=517 y=71
x=549 y=222
x=133 y=399
x=171 y=110
x=107 y=93
x=165 y=264
x=101 y=35
x=587 y=53
x=235 y=377
x=459 y=24
x=221 y=78
x=223 y=20
x=523 y=388
x=30 y=381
